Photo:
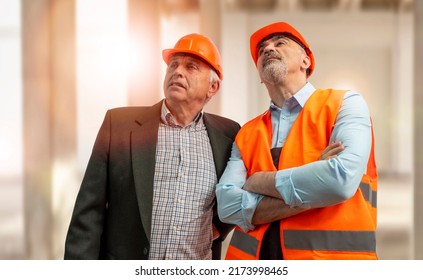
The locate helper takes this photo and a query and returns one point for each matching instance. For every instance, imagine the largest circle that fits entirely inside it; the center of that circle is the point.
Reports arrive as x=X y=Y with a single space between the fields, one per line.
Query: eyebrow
x=271 y=38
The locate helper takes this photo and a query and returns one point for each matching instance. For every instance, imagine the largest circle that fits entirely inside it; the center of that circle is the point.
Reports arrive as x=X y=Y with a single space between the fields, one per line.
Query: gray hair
x=214 y=77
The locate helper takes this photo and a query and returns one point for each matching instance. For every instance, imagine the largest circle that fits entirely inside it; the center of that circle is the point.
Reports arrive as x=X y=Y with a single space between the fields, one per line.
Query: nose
x=268 y=49
x=176 y=70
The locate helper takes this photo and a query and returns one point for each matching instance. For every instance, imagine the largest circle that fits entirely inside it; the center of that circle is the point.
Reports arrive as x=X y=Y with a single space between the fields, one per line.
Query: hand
x=332 y=150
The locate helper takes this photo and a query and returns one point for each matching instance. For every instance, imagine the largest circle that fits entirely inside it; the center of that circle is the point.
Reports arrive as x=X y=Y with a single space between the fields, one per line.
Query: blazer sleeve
x=222 y=132
x=83 y=239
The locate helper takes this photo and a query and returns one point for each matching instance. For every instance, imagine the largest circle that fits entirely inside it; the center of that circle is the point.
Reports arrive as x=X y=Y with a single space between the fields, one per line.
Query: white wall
x=102 y=57
x=10 y=90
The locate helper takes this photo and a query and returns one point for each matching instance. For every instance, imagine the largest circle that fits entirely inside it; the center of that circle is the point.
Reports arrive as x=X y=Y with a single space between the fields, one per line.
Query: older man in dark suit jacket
x=149 y=187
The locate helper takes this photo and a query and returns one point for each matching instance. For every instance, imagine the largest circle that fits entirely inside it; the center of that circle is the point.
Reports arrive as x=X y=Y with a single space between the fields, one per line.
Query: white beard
x=274 y=72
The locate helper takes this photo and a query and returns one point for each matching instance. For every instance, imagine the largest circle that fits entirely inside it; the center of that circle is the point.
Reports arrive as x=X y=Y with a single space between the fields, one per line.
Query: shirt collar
x=304 y=94
x=168 y=119
x=299 y=98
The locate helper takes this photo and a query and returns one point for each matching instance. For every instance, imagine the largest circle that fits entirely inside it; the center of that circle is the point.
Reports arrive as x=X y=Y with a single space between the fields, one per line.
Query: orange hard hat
x=198 y=45
x=280 y=28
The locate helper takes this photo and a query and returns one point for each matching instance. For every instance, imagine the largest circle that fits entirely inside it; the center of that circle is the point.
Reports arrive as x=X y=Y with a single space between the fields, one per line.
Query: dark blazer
x=112 y=214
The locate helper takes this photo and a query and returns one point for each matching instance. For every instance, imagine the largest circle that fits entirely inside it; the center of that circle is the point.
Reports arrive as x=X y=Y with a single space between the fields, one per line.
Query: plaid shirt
x=184 y=191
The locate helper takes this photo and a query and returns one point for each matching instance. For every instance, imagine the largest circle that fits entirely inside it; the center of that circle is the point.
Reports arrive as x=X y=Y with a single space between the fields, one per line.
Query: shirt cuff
x=248 y=207
x=286 y=188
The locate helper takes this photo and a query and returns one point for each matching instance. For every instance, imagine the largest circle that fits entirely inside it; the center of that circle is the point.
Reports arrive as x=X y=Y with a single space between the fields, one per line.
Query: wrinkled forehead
x=277 y=36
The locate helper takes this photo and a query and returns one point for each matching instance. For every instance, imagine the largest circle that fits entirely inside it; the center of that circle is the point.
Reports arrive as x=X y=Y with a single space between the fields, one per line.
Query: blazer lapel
x=143 y=151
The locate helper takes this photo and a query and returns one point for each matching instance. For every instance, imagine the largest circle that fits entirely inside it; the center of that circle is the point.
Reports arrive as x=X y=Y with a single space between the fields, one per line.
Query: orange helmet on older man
x=280 y=28
x=200 y=46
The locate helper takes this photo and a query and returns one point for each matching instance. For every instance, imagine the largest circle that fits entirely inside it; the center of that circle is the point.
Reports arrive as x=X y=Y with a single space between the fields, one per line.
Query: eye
x=173 y=64
x=260 y=51
x=280 y=43
x=192 y=66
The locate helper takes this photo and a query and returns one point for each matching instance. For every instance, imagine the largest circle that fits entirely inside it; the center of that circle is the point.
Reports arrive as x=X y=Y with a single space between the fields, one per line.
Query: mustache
x=175 y=80
x=269 y=57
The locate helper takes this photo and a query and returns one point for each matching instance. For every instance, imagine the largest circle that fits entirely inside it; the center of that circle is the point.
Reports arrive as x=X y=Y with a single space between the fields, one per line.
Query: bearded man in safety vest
x=301 y=182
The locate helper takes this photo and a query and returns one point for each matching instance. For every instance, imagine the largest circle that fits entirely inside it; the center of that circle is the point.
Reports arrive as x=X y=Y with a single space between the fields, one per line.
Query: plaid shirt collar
x=168 y=119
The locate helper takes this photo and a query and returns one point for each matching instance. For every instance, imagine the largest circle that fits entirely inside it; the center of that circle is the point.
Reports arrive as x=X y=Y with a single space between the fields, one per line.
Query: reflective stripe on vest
x=244 y=242
x=329 y=240
x=369 y=194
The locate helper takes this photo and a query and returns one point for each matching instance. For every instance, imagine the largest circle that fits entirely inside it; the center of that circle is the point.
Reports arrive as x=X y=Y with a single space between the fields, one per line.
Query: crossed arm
x=272 y=207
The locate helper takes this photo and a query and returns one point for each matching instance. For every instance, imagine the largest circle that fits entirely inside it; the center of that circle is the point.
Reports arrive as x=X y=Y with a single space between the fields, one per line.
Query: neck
x=183 y=115
x=282 y=92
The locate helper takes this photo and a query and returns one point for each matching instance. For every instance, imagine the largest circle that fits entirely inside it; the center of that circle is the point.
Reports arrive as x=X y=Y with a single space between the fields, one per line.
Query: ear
x=213 y=89
x=306 y=62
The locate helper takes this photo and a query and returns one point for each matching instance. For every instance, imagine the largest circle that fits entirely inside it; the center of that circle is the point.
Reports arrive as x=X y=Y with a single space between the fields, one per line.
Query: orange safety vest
x=343 y=231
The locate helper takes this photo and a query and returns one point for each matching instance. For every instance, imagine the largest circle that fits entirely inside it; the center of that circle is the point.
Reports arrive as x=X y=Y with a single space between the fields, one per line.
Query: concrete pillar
x=144 y=85
x=239 y=86
x=418 y=130
x=402 y=84
x=49 y=123
x=210 y=25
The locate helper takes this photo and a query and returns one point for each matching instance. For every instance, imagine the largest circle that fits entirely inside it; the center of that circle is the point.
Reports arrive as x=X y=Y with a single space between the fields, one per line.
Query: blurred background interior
x=63 y=63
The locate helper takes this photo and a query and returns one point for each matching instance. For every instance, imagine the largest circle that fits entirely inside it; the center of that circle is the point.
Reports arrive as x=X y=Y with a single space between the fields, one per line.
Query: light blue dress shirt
x=317 y=184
